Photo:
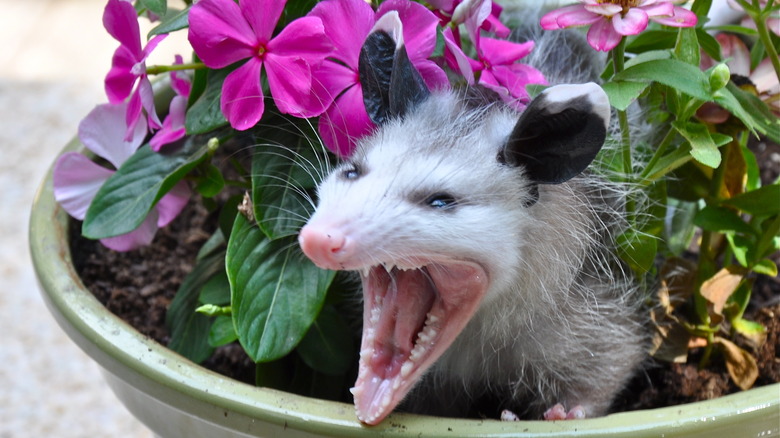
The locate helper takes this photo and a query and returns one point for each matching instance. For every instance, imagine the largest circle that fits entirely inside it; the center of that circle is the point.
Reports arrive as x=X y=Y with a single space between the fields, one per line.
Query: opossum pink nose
x=324 y=246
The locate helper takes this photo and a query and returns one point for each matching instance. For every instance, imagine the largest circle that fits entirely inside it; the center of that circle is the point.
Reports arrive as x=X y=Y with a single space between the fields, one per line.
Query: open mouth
x=411 y=316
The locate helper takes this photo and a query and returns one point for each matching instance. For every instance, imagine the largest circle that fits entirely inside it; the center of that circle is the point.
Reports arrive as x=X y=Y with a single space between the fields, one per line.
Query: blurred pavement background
x=54 y=56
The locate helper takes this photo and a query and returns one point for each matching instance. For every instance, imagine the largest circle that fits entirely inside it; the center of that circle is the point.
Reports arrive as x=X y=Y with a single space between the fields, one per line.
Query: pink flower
x=483 y=12
x=77 y=179
x=348 y=23
x=128 y=66
x=497 y=68
x=611 y=20
x=223 y=32
x=173 y=125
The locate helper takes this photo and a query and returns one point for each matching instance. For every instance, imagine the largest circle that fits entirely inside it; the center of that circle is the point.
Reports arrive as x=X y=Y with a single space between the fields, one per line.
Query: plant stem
x=157 y=69
x=763 y=35
x=618 y=63
x=659 y=152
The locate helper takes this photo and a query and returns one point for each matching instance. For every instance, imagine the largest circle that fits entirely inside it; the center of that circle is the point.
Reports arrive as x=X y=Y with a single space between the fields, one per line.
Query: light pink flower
x=173 y=125
x=484 y=13
x=223 y=32
x=611 y=20
x=77 y=179
x=348 y=23
x=498 y=67
x=127 y=76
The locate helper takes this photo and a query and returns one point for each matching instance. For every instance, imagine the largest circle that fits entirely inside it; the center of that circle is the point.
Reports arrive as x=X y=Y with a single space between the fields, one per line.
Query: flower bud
x=719 y=77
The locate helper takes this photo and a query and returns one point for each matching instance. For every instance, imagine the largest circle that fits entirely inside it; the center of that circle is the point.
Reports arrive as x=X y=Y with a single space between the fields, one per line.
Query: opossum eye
x=442 y=201
x=351 y=172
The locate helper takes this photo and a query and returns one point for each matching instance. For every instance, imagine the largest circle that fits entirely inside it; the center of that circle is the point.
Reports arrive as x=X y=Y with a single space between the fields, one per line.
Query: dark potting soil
x=139 y=285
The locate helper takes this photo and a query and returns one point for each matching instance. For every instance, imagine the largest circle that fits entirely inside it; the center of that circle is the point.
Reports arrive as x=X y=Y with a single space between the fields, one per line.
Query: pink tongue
x=404 y=308
x=408 y=299
x=396 y=308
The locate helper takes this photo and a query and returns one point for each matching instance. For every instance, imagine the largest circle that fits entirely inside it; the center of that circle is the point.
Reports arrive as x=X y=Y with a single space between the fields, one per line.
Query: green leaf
x=722 y=220
x=623 y=93
x=733 y=28
x=703 y=148
x=709 y=44
x=205 y=114
x=216 y=290
x=752 y=170
x=638 y=250
x=762 y=202
x=668 y=163
x=276 y=293
x=211 y=182
x=687 y=47
x=741 y=248
x=214 y=242
x=189 y=329
x=199 y=82
x=750 y=110
x=701 y=7
x=766 y=267
x=680 y=230
x=438 y=51
x=651 y=55
x=682 y=76
x=125 y=199
x=769 y=241
x=747 y=327
x=172 y=23
x=652 y=40
x=328 y=346
x=283 y=183
x=222 y=332
x=159 y=7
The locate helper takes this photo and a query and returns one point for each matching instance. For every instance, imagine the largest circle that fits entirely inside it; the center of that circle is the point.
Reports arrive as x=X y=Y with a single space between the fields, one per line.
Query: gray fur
x=561 y=320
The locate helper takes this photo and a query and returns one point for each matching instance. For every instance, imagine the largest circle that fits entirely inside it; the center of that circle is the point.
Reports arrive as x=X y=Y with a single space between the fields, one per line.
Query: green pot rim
x=77 y=309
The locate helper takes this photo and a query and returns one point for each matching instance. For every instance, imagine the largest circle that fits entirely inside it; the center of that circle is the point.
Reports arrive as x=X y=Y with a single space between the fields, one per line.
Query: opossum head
x=430 y=211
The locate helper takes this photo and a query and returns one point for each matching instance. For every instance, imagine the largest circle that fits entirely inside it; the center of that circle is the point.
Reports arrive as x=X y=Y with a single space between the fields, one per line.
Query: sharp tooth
x=385 y=401
x=406 y=369
x=432 y=319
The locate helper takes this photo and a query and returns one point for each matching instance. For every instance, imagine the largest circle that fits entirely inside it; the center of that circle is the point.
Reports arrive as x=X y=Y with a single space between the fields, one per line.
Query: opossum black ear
x=391 y=85
x=560 y=133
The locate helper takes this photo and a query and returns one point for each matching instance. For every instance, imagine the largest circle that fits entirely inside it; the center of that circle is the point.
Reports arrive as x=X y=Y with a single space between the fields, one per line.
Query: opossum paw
x=558 y=412
x=507 y=415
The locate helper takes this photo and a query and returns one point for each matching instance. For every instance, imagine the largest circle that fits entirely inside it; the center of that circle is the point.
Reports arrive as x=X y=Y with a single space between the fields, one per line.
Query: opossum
x=483 y=245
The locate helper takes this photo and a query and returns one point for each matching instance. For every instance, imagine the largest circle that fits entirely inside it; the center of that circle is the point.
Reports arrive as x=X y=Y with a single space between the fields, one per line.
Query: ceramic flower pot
x=176 y=398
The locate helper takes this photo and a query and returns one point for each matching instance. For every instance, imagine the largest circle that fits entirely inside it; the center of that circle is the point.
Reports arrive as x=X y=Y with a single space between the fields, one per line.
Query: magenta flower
x=497 y=68
x=223 y=32
x=127 y=76
x=77 y=179
x=173 y=125
x=348 y=23
x=611 y=20
x=483 y=12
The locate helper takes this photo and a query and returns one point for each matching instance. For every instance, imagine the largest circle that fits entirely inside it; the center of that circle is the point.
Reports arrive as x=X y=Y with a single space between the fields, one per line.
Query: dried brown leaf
x=741 y=365
x=736 y=171
x=719 y=288
x=677 y=279
x=670 y=343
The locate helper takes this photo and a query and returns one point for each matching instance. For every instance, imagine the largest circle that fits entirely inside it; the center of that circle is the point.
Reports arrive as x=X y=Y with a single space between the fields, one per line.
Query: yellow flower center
x=625 y=4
